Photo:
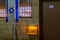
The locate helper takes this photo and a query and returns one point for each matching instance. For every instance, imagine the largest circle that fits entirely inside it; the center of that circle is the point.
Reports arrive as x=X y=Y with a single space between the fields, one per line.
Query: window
x=25 y=7
x=2 y=8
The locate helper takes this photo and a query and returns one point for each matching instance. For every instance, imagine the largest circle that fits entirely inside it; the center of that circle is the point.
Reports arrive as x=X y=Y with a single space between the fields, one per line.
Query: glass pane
x=2 y=8
x=25 y=8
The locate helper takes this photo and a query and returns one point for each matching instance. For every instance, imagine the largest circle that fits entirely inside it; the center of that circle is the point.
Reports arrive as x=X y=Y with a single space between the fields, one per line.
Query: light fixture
x=32 y=29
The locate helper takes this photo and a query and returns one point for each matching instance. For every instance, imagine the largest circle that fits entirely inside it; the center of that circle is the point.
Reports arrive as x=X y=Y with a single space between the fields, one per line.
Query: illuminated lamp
x=32 y=30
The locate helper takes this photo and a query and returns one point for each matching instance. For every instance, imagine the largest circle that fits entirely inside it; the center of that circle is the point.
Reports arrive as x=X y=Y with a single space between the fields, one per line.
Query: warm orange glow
x=32 y=30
